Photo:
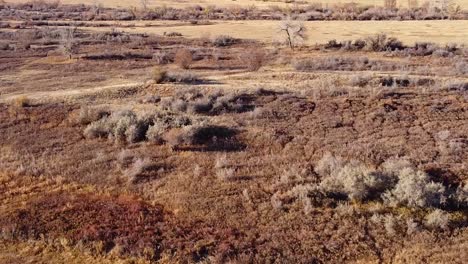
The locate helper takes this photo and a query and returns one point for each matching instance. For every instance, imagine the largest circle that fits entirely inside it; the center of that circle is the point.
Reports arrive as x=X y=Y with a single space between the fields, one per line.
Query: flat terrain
x=441 y=32
x=214 y=142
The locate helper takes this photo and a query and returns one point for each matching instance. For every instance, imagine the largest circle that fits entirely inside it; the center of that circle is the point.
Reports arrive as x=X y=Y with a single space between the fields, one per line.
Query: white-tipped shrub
x=437 y=219
x=415 y=189
x=356 y=181
x=328 y=164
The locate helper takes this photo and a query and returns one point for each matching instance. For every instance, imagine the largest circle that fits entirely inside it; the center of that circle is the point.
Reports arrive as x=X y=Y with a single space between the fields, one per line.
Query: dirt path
x=63 y=94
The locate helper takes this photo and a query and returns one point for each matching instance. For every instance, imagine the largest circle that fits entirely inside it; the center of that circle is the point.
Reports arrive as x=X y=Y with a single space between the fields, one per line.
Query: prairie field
x=167 y=136
x=319 y=32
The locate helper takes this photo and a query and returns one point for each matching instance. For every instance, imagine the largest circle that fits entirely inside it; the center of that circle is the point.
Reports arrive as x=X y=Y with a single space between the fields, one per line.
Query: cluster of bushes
x=41 y=10
x=127 y=126
x=381 y=42
x=160 y=75
x=339 y=63
x=396 y=183
x=195 y=102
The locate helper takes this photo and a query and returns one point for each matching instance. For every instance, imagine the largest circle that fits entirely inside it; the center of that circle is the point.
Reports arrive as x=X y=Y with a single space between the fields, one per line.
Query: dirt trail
x=47 y=95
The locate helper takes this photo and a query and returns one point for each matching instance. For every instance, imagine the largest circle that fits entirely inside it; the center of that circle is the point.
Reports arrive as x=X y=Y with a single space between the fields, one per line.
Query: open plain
x=138 y=140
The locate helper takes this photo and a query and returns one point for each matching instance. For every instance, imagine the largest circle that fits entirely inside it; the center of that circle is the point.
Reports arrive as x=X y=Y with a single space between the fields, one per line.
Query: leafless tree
x=67 y=41
x=144 y=4
x=294 y=32
x=390 y=4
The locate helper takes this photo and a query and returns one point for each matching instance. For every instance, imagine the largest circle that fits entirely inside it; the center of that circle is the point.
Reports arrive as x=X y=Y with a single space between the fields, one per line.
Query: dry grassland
x=227 y=3
x=441 y=32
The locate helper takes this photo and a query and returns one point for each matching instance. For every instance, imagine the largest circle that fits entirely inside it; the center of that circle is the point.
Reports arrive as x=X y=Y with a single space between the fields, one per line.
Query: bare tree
x=390 y=4
x=413 y=4
x=294 y=32
x=144 y=4
x=67 y=41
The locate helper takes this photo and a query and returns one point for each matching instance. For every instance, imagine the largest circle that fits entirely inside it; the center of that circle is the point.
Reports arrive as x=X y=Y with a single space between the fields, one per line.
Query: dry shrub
x=137 y=168
x=21 y=101
x=127 y=126
x=88 y=114
x=253 y=59
x=193 y=101
x=437 y=219
x=224 y=41
x=356 y=180
x=183 y=58
x=159 y=75
x=415 y=189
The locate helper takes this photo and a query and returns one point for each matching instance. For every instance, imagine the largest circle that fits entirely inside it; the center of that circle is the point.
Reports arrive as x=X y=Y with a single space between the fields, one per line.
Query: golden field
x=441 y=32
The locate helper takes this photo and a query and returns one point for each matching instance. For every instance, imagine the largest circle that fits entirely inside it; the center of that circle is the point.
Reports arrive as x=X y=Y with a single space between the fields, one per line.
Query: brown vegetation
x=346 y=152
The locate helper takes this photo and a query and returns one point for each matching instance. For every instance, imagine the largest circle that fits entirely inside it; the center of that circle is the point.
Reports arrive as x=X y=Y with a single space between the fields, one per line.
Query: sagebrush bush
x=156 y=132
x=224 y=40
x=360 y=80
x=127 y=126
x=88 y=114
x=21 y=101
x=159 y=75
x=415 y=189
x=183 y=58
x=357 y=181
x=437 y=219
x=253 y=59
x=328 y=164
x=195 y=102
x=136 y=169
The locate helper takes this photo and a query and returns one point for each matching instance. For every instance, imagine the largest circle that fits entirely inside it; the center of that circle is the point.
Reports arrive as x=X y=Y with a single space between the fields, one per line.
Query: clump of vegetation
x=21 y=101
x=203 y=134
x=193 y=101
x=224 y=41
x=160 y=75
x=415 y=189
x=254 y=59
x=128 y=126
x=183 y=58
x=396 y=183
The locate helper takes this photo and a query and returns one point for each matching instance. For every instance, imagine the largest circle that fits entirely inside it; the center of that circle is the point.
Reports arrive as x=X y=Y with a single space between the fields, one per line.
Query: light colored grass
x=446 y=31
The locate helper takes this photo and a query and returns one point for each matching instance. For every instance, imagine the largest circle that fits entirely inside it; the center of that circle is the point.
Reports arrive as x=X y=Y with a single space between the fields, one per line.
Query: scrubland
x=120 y=144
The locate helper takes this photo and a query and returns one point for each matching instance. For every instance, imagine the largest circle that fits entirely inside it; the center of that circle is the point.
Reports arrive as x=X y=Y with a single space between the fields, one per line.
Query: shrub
x=214 y=103
x=437 y=219
x=88 y=114
x=356 y=181
x=225 y=174
x=156 y=132
x=21 y=101
x=462 y=195
x=181 y=77
x=224 y=41
x=360 y=80
x=414 y=189
x=253 y=59
x=183 y=58
x=138 y=167
x=328 y=164
x=162 y=57
x=128 y=126
x=159 y=75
